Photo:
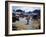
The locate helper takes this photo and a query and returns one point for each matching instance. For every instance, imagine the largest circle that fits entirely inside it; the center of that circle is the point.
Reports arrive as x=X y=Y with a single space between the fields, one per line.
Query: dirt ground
x=21 y=25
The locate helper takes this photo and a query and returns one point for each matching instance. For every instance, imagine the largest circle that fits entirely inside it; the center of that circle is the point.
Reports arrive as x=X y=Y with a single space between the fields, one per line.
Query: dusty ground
x=21 y=25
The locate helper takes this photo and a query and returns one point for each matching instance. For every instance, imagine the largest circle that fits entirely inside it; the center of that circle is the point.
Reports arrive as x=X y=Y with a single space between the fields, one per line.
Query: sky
x=26 y=9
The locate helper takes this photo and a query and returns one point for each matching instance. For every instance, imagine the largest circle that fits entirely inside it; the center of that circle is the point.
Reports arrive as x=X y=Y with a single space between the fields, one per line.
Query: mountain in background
x=35 y=12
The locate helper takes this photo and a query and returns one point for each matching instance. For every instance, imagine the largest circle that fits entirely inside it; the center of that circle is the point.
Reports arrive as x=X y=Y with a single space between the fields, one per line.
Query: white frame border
x=25 y=31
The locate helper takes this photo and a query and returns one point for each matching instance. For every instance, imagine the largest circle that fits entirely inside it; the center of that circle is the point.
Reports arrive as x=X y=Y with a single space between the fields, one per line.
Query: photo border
x=6 y=18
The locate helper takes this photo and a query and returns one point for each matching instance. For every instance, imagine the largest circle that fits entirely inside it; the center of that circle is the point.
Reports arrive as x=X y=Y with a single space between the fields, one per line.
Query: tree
x=19 y=10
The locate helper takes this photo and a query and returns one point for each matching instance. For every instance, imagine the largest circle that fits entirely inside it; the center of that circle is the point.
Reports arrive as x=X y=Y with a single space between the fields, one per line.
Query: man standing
x=27 y=18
